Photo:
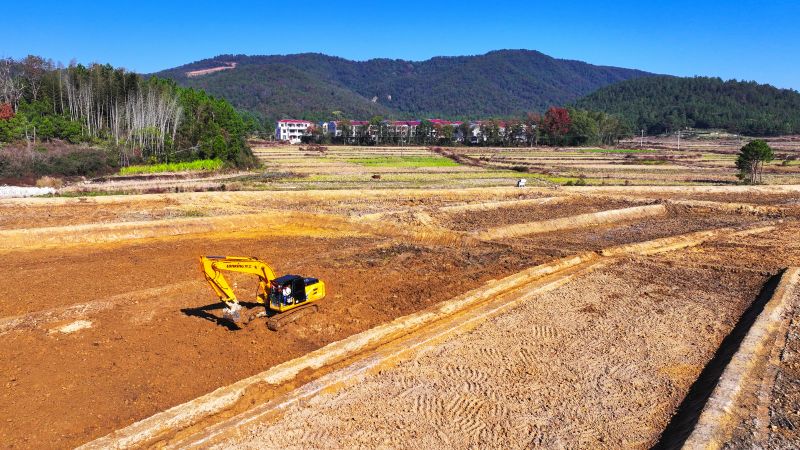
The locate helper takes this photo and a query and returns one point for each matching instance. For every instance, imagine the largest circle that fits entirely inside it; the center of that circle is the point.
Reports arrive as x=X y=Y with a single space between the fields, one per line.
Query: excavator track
x=277 y=322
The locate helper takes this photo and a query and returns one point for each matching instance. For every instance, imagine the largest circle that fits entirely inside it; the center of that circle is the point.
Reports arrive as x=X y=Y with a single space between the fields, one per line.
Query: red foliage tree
x=556 y=123
x=6 y=111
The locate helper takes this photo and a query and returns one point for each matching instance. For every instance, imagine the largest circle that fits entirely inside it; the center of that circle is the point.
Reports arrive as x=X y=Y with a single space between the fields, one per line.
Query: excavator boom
x=213 y=266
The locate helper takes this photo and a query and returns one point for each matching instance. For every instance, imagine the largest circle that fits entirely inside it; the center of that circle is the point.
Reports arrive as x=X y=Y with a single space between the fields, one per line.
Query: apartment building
x=292 y=130
x=398 y=130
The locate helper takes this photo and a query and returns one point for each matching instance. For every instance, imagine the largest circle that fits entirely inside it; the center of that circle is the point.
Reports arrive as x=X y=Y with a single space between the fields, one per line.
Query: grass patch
x=716 y=156
x=404 y=161
x=615 y=150
x=409 y=177
x=198 y=165
x=87 y=193
x=194 y=213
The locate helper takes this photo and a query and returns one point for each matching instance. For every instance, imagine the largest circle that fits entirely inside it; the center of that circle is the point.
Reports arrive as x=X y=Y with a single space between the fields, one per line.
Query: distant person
x=287 y=295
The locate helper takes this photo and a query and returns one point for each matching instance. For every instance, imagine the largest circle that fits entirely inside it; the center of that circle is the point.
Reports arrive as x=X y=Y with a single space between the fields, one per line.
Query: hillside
x=90 y=120
x=658 y=104
x=499 y=83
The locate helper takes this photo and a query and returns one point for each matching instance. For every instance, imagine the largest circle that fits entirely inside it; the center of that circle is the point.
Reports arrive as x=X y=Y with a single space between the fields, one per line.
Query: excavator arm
x=213 y=266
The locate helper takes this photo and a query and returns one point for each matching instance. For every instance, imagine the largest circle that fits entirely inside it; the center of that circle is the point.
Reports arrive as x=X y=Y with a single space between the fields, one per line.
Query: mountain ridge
x=314 y=85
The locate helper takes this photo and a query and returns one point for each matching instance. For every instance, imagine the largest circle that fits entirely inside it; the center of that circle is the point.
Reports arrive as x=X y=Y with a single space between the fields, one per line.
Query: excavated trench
x=688 y=412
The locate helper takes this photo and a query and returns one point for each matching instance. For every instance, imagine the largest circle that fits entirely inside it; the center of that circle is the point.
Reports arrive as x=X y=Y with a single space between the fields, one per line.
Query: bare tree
x=33 y=69
x=139 y=117
x=11 y=84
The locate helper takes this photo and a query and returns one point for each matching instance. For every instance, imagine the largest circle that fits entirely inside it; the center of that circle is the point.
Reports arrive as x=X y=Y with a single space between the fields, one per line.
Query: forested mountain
x=285 y=90
x=312 y=86
x=662 y=103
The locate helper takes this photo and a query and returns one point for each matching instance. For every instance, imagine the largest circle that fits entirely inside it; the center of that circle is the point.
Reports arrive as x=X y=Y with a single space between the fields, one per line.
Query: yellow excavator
x=289 y=297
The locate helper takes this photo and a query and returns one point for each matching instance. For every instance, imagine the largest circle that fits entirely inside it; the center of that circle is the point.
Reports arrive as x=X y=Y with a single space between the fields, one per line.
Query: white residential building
x=292 y=130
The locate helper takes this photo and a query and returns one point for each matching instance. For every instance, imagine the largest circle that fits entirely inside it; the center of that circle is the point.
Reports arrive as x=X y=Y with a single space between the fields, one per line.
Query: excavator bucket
x=233 y=312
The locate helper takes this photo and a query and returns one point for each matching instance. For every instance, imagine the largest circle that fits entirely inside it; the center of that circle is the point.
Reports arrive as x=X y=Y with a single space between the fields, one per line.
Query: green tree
x=514 y=133
x=377 y=127
x=490 y=132
x=446 y=134
x=424 y=131
x=751 y=159
x=584 y=129
x=532 y=125
x=465 y=130
x=345 y=128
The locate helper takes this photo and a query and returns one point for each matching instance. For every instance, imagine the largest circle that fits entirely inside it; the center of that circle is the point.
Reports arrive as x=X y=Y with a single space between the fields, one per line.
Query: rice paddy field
x=653 y=162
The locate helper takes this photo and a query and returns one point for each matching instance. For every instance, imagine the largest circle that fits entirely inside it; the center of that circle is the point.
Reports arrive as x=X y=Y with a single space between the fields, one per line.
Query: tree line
x=139 y=119
x=557 y=126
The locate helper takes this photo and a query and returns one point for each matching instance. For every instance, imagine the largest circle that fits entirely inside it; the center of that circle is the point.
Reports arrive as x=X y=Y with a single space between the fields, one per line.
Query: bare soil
x=472 y=221
x=153 y=341
x=599 y=363
x=147 y=351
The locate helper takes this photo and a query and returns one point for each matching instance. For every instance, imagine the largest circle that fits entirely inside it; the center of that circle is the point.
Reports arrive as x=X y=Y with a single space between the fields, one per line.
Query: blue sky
x=751 y=40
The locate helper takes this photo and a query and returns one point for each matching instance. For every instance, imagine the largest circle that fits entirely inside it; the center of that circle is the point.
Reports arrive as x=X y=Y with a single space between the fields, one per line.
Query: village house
x=292 y=130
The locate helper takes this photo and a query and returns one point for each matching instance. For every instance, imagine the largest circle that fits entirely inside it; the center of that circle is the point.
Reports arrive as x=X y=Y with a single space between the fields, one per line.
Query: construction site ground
x=107 y=319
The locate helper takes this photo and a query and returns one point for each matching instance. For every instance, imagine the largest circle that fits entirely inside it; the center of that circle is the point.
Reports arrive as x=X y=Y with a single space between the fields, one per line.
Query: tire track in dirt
x=541 y=334
x=617 y=393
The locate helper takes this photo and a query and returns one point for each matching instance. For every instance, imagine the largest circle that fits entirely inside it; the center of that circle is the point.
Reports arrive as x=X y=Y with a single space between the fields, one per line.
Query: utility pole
x=641 y=140
x=679 y=140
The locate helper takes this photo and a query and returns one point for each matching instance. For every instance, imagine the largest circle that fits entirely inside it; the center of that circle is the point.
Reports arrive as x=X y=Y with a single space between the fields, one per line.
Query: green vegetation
x=404 y=161
x=313 y=86
x=660 y=104
x=127 y=118
x=410 y=177
x=197 y=165
x=18 y=161
x=751 y=159
x=614 y=150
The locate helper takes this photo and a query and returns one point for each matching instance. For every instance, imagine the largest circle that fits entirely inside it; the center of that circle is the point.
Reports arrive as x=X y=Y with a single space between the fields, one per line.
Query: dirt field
x=114 y=323
x=593 y=364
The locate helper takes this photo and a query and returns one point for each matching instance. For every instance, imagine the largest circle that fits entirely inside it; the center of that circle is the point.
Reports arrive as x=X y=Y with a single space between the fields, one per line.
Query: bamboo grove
x=139 y=118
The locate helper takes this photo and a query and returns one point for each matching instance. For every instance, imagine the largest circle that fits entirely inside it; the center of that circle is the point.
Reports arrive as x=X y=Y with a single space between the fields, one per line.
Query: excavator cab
x=289 y=291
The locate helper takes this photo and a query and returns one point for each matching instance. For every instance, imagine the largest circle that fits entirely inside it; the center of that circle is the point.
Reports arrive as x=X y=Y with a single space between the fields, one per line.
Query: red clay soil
x=599 y=237
x=143 y=354
x=507 y=215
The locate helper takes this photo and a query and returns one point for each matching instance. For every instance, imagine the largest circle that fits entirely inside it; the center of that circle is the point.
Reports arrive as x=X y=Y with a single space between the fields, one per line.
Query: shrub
x=54 y=159
x=51 y=182
x=6 y=111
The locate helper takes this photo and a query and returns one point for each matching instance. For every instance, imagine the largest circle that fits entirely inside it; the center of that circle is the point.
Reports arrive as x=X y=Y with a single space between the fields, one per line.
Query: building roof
x=409 y=123
x=294 y=121
x=443 y=122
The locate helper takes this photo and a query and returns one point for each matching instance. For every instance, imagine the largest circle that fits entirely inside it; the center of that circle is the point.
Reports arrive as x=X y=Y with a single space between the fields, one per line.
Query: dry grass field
x=461 y=312
x=658 y=162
